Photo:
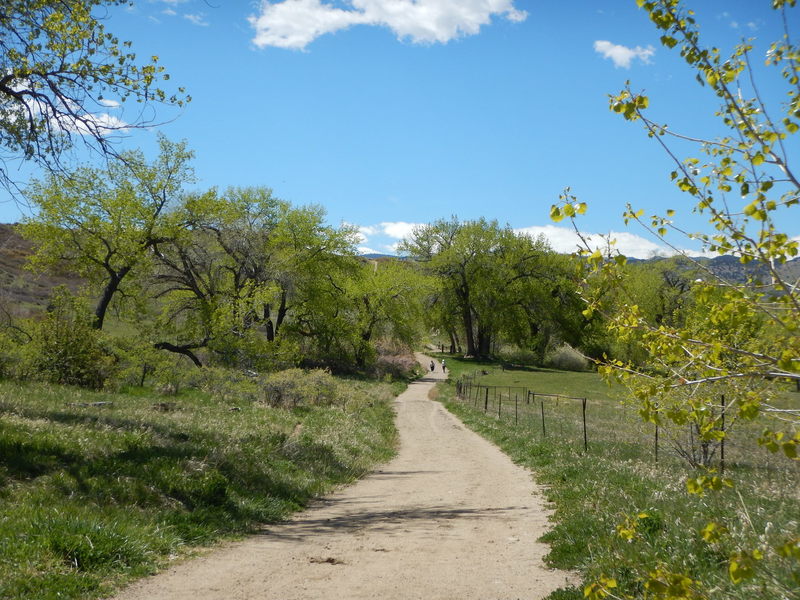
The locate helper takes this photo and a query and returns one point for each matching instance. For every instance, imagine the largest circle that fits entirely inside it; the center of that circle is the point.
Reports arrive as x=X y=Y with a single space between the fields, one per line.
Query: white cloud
x=566 y=240
x=107 y=102
x=62 y=116
x=95 y=124
x=169 y=12
x=367 y=230
x=382 y=234
x=296 y=23
x=196 y=19
x=622 y=56
x=398 y=229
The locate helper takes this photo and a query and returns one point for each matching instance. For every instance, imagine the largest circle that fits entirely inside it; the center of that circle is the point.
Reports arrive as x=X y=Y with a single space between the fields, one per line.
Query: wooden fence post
x=544 y=431
x=656 y=444
x=585 y=438
x=516 y=409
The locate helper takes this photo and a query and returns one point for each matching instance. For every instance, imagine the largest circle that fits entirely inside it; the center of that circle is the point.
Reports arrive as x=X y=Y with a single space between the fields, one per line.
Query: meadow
x=99 y=488
x=619 y=512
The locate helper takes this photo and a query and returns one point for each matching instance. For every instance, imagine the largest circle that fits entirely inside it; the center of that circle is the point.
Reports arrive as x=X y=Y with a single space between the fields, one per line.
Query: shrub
x=227 y=384
x=65 y=348
x=566 y=358
x=518 y=356
x=396 y=366
x=294 y=387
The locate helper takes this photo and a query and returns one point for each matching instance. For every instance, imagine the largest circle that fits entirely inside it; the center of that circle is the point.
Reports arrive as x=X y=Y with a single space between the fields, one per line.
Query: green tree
x=496 y=281
x=386 y=299
x=102 y=224
x=740 y=338
x=60 y=70
x=247 y=267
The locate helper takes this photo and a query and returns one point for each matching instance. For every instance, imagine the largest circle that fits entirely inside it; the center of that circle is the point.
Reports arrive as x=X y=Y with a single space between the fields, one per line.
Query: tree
x=104 y=223
x=244 y=267
x=740 y=338
x=386 y=300
x=492 y=278
x=60 y=71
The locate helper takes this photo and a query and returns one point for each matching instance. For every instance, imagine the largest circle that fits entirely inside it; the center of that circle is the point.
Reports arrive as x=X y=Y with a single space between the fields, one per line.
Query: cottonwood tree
x=493 y=279
x=60 y=74
x=104 y=223
x=385 y=299
x=247 y=271
x=743 y=338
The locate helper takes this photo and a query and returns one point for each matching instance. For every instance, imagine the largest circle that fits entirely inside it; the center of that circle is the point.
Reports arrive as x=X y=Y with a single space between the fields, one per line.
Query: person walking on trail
x=443 y=368
x=433 y=366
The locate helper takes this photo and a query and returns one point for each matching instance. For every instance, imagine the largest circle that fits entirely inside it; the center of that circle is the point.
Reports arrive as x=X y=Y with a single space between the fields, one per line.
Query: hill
x=731 y=269
x=21 y=291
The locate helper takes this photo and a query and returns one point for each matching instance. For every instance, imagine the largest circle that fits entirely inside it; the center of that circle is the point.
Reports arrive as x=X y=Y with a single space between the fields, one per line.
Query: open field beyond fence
x=621 y=509
x=598 y=421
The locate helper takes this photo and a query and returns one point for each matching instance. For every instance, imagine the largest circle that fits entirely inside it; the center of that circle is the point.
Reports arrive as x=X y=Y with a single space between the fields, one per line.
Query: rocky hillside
x=21 y=291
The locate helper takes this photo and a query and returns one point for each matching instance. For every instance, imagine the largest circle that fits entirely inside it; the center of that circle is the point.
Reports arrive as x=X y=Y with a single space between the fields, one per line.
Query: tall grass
x=93 y=494
x=618 y=482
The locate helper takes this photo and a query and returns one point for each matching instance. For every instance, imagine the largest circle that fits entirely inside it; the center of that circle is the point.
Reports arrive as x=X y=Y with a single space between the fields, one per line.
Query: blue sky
x=395 y=112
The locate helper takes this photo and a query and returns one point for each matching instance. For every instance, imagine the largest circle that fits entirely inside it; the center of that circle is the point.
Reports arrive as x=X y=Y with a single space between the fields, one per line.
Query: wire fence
x=599 y=426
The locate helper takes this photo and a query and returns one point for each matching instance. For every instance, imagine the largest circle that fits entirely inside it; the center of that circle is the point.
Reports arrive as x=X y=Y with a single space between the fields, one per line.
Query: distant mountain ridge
x=731 y=269
x=727 y=267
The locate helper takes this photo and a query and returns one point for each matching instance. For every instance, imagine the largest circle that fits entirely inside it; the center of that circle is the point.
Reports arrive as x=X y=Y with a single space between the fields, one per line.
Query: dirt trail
x=451 y=517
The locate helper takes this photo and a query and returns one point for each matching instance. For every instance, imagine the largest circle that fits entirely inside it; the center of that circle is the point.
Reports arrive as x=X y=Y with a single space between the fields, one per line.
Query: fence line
x=580 y=419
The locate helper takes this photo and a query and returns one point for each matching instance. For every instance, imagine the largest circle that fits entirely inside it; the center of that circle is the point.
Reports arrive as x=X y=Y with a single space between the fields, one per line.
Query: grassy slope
x=593 y=493
x=91 y=496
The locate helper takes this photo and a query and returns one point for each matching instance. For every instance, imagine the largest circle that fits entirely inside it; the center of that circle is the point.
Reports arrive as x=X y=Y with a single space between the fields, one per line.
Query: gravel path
x=451 y=517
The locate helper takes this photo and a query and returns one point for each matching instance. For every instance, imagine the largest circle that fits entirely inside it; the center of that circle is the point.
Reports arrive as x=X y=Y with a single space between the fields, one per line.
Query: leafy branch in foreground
x=61 y=77
x=735 y=342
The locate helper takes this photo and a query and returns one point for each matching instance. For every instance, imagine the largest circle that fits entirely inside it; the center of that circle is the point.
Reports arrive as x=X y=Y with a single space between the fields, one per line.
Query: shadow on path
x=377 y=520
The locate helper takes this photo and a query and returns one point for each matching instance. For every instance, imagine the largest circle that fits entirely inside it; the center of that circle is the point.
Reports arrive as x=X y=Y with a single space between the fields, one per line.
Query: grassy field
x=96 y=489
x=619 y=483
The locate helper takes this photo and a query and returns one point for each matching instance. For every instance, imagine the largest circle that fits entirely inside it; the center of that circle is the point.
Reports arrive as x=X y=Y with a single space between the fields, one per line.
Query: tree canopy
x=60 y=73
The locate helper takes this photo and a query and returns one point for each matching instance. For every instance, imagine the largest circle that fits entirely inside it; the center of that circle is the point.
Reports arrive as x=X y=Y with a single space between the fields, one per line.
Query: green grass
x=92 y=496
x=618 y=478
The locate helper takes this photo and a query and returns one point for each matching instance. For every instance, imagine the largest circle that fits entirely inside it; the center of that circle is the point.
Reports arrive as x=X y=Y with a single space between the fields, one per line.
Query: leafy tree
x=496 y=283
x=245 y=265
x=740 y=338
x=386 y=299
x=60 y=70
x=102 y=224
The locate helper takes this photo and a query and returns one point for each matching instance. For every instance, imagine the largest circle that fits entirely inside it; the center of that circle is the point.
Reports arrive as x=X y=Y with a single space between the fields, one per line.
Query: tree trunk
x=484 y=342
x=108 y=293
x=282 y=310
x=466 y=315
x=270 y=329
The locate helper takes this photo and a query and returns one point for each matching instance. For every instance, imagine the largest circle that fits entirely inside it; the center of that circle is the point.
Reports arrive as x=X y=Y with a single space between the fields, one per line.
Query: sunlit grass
x=593 y=492
x=91 y=495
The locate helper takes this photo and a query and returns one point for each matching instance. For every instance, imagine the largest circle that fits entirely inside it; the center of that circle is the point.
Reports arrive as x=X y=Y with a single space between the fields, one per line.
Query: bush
x=396 y=366
x=227 y=385
x=518 y=356
x=294 y=387
x=566 y=358
x=65 y=348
